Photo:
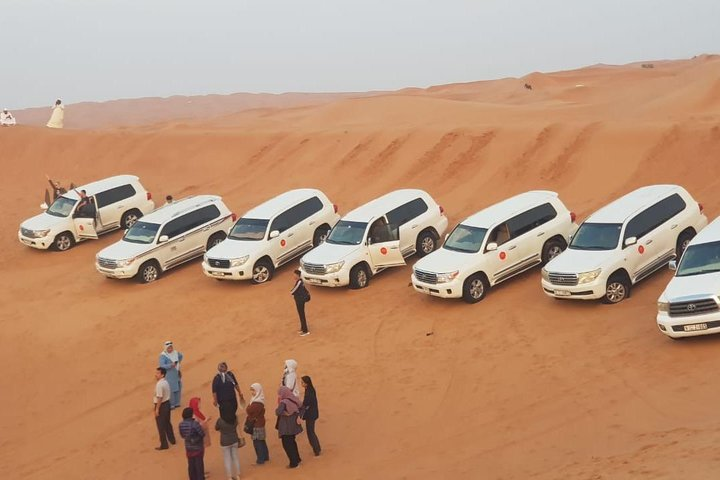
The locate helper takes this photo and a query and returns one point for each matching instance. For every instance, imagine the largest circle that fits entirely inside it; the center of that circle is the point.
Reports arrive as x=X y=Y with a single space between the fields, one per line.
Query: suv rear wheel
x=682 y=243
x=215 y=239
x=475 y=288
x=129 y=218
x=425 y=244
x=63 y=241
x=148 y=272
x=320 y=235
x=359 y=277
x=262 y=271
x=552 y=249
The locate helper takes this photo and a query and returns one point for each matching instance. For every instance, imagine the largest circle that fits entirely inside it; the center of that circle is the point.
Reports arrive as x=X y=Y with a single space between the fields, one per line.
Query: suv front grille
x=426 y=277
x=693 y=307
x=217 y=263
x=27 y=233
x=567 y=279
x=314 y=269
x=107 y=263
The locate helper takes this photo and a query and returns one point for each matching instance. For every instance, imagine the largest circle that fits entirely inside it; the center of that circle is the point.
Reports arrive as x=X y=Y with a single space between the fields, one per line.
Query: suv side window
x=177 y=226
x=531 y=219
x=380 y=231
x=654 y=216
x=113 y=195
x=190 y=220
x=499 y=234
x=294 y=215
x=406 y=212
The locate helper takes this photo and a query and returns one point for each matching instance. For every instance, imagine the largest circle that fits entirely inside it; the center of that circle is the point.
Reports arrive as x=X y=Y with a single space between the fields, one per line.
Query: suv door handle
x=206 y=228
x=415 y=226
x=121 y=206
x=674 y=227
x=290 y=234
x=512 y=247
x=541 y=234
x=648 y=242
x=181 y=239
x=312 y=223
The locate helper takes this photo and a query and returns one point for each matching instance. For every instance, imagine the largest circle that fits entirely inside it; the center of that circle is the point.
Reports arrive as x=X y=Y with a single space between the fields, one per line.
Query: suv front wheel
x=262 y=271
x=475 y=288
x=63 y=242
x=359 y=277
x=148 y=272
x=617 y=289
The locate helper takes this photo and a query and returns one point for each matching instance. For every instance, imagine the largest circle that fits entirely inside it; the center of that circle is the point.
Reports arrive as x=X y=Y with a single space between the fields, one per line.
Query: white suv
x=690 y=304
x=170 y=236
x=496 y=244
x=271 y=235
x=119 y=201
x=623 y=243
x=376 y=236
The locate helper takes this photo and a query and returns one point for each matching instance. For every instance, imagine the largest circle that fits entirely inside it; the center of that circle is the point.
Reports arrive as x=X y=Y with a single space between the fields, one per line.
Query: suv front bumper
x=243 y=272
x=340 y=278
x=675 y=327
x=584 y=291
x=42 y=243
x=451 y=289
x=123 y=272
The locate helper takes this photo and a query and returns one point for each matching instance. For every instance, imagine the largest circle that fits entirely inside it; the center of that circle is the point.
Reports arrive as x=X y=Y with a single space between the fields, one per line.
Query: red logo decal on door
x=383 y=250
x=282 y=243
x=502 y=255
x=641 y=249
x=81 y=228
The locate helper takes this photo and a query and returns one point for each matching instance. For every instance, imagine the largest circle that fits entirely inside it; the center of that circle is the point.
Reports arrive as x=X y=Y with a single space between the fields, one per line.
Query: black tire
x=63 y=241
x=359 y=277
x=320 y=235
x=425 y=244
x=617 y=289
x=682 y=243
x=148 y=272
x=475 y=288
x=262 y=271
x=552 y=249
x=129 y=218
x=215 y=239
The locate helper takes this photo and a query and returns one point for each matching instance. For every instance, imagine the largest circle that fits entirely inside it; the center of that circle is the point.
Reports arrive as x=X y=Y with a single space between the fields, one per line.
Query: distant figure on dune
x=255 y=423
x=528 y=86
x=289 y=378
x=6 y=118
x=57 y=118
x=170 y=360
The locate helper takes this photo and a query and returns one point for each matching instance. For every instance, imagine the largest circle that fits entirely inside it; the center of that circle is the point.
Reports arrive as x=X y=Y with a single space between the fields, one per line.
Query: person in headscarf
x=288 y=412
x=170 y=360
x=229 y=443
x=255 y=423
x=224 y=386
x=6 y=118
x=310 y=413
x=289 y=378
x=201 y=419
x=57 y=119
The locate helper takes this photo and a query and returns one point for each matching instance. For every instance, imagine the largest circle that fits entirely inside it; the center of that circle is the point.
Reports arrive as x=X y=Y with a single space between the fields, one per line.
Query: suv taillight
x=572 y=217
x=442 y=210
x=701 y=207
x=233 y=216
x=149 y=195
x=335 y=208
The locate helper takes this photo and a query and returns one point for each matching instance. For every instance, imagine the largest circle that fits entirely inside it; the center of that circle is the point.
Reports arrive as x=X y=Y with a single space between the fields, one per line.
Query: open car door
x=384 y=247
x=85 y=228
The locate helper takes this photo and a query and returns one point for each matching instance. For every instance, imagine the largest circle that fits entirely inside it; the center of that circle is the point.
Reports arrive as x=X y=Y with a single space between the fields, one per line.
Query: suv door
x=640 y=256
x=174 y=250
x=527 y=227
x=406 y=217
x=111 y=205
x=504 y=260
x=384 y=245
x=85 y=228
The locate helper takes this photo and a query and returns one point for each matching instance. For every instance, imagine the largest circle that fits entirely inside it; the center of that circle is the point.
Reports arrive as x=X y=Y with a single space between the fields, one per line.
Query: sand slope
x=517 y=387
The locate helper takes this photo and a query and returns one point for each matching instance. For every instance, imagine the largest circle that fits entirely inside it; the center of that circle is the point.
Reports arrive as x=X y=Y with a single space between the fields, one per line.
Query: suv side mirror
x=672 y=265
x=491 y=247
x=630 y=241
x=274 y=234
x=163 y=239
x=447 y=235
x=44 y=206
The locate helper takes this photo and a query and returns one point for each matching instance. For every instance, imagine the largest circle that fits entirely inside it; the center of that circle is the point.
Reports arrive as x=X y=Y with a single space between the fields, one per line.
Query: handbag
x=249 y=427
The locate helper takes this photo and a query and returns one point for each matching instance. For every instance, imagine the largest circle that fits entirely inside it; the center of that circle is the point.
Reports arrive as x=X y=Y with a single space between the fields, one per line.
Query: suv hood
x=707 y=284
x=124 y=250
x=577 y=261
x=444 y=261
x=42 y=221
x=229 y=248
x=329 y=253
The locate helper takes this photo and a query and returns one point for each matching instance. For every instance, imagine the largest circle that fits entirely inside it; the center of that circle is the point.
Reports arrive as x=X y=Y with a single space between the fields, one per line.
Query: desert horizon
x=518 y=386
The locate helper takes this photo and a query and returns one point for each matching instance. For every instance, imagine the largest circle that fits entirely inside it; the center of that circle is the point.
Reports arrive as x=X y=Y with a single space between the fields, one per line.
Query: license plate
x=26 y=241
x=562 y=293
x=217 y=274
x=695 y=327
x=314 y=280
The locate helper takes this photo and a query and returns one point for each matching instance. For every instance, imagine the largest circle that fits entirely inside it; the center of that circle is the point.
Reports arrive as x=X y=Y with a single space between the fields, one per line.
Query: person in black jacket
x=85 y=208
x=301 y=296
x=310 y=413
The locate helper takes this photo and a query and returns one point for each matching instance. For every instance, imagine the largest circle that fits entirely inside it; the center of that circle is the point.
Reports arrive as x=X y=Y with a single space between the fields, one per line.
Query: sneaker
x=302 y=334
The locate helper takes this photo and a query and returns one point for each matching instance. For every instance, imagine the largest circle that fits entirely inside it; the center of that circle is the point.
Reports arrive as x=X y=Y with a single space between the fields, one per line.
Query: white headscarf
x=290 y=377
x=174 y=357
x=259 y=395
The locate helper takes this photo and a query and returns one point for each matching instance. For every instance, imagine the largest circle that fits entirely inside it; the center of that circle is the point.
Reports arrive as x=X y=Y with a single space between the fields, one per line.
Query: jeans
x=196 y=468
x=301 y=313
x=231 y=459
x=261 y=451
x=291 y=449
x=165 y=429
x=312 y=437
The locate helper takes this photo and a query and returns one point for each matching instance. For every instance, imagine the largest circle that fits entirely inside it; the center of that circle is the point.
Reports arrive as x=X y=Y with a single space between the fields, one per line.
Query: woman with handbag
x=229 y=443
x=255 y=423
x=288 y=424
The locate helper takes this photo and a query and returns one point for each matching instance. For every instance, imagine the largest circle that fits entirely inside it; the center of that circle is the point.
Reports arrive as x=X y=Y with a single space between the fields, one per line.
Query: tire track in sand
x=564 y=161
x=468 y=158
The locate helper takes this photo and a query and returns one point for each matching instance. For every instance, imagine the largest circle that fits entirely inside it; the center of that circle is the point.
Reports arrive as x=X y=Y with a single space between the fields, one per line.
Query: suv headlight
x=236 y=262
x=587 y=277
x=334 y=267
x=124 y=263
x=447 y=277
x=663 y=306
x=41 y=233
x=545 y=274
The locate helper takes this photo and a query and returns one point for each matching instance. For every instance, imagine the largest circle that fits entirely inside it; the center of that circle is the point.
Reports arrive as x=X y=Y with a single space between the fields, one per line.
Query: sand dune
x=517 y=387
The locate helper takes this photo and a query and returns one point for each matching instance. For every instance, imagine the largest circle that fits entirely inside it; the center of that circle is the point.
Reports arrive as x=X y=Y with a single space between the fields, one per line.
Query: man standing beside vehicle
x=301 y=296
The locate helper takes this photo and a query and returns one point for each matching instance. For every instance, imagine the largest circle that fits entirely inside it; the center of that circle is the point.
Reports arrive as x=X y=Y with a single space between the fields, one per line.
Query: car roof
x=509 y=207
x=624 y=207
x=711 y=233
x=178 y=207
x=102 y=185
x=381 y=205
x=282 y=202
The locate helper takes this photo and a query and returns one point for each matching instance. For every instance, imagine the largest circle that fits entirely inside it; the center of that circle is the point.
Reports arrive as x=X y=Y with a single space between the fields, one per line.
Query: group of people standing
x=194 y=428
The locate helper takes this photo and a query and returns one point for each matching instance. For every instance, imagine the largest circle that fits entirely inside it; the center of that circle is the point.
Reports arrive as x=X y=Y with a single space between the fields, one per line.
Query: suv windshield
x=249 y=229
x=61 y=207
x=347 y=233
x=465 y=239
x=141 y=232
x=596 y=236
x=698 y=259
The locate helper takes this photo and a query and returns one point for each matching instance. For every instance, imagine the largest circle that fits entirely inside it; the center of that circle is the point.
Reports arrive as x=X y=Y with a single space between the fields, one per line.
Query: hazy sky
x=105 y=49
